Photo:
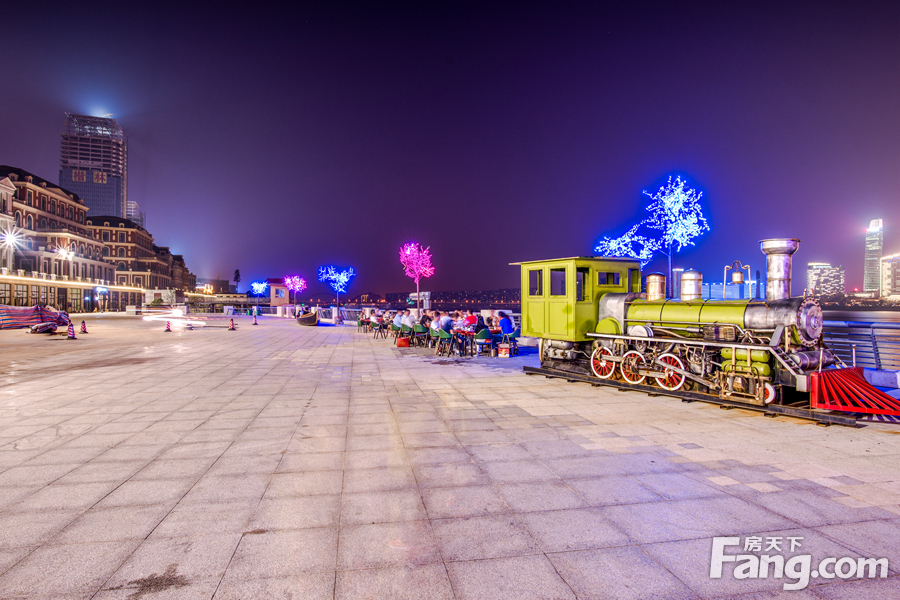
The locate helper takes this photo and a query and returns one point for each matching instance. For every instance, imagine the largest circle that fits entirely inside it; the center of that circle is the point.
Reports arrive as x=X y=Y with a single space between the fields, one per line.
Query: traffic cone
x=168 y=327
x=231 y=326
x=71 y=335
x=254 y=319
x=83 y=327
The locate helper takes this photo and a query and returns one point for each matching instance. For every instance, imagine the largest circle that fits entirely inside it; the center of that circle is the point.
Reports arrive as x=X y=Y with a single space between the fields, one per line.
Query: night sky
x=276 y=141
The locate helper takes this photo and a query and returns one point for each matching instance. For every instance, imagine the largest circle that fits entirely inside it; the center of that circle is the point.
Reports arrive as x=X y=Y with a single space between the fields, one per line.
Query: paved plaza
x=278 y=462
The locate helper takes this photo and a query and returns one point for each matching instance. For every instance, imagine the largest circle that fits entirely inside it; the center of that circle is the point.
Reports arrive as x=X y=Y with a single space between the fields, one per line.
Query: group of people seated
x=448 y=321
x=460 y=325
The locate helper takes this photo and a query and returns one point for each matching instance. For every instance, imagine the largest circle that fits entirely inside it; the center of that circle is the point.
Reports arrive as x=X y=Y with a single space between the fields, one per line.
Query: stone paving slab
x=280 y=461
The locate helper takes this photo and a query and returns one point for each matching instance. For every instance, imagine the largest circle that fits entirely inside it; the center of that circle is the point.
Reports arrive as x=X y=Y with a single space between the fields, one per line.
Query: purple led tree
x=675 y=212
x=417 y=262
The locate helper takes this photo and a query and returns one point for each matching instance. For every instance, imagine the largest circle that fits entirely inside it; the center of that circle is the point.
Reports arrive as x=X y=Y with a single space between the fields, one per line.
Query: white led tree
x=674 y=212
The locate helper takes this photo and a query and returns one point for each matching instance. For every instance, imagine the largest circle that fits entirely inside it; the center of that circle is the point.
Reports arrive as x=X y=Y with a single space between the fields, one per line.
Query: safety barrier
x=872 y=344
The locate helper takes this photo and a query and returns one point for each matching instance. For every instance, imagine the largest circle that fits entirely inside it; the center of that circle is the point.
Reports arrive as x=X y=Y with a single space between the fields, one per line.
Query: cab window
x=582 y=279
x=536 y=282
x=558 y=282
x=604 y=278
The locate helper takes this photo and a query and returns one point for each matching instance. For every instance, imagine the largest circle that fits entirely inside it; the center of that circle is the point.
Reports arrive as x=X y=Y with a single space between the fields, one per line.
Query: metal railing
x=872 y=344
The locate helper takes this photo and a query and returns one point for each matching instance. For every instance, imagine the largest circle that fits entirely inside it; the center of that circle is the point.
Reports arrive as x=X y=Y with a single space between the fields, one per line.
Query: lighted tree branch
x=675 y=212
x=416 y=261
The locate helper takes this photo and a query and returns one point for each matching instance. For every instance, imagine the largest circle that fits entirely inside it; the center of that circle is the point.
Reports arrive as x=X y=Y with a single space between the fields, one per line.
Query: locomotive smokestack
x=778 y=266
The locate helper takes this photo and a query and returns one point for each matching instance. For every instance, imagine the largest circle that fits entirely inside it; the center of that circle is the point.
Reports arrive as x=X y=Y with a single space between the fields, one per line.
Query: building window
x=105 y=236
x=53 y=207
x=44 y=203
x=120 y=266
x=29 y=222
x=5 y=294
x=105 y=251
x=43 y=223
x=30 y=196
x=121 y=252
x=121 y=237
x=18 y=219
x=21 y=298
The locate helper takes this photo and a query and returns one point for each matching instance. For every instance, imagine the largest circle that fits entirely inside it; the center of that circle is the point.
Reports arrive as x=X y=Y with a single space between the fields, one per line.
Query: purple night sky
x=277 y=141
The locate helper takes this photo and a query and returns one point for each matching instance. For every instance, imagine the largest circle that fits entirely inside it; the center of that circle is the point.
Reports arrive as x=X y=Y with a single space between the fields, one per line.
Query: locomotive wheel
x=770 y=394
x=671 y=381
x=631 y=362
x=600 y=365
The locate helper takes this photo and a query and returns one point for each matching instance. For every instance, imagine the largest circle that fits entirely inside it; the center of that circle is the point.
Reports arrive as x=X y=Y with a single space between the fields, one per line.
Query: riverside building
x=55 y=259
x=874 y=247
x=824 y=280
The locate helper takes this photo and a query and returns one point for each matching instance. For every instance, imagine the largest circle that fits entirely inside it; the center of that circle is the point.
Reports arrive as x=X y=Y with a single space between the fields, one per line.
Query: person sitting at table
x=398 y=319
x=459 y=320
x=506 y=326
x=425 y=321
x=408 y=319
x=479 y=324
x=470 y=318
x=446 y=322
x=489 y=322
x=436 y=320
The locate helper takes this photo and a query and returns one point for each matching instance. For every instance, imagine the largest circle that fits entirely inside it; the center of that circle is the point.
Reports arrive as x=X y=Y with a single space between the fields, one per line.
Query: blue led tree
x=674 y=212
x=338 y=280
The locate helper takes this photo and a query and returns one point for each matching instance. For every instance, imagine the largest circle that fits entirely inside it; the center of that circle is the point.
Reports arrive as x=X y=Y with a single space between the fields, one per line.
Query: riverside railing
x=872 y=344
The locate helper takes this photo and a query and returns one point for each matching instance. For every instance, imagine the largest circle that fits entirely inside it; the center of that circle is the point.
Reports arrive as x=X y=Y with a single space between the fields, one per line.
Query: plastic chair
x=445 y=341
x=420 y=334
x=483 y=338
x=405 y=331
x=378 y=329
x=395 y=331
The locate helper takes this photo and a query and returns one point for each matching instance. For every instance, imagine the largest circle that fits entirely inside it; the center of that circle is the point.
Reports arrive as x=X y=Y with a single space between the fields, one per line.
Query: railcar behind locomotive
x=591 y=317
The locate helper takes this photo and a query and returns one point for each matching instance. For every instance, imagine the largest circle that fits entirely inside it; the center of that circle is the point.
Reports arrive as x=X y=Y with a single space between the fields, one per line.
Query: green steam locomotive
x=591 y=317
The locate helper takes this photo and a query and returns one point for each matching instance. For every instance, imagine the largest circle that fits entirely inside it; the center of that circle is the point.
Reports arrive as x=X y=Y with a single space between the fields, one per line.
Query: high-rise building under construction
x=874 y=247
x=93 y=163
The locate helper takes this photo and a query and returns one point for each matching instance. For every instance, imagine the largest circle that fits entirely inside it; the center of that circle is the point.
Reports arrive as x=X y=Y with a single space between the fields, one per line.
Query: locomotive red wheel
x=672 y=379
x=600 y=363
x=631 y=362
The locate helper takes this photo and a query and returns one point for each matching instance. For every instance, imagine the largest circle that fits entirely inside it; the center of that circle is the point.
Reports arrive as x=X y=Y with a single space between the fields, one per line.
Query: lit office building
x=874 y=246
x=824 y=280
x=890 y=275
x=93 y=163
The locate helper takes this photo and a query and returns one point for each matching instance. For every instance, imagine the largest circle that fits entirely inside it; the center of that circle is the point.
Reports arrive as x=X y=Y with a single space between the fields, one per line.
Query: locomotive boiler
x=591 y=317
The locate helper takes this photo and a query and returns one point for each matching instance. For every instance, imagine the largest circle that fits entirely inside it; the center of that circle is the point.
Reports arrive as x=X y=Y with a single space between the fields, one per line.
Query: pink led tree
x=417 y=262
x=295 y=284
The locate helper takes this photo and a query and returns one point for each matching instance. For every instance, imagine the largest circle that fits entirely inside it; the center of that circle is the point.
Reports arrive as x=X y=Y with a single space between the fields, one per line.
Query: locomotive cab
x=561 y=297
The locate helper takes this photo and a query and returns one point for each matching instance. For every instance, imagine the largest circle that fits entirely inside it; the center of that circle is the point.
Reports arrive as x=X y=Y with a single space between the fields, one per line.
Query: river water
x=890 y=316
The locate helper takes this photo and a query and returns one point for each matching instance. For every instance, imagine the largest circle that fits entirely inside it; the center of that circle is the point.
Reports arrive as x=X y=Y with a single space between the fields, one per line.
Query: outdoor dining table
x=465 y=337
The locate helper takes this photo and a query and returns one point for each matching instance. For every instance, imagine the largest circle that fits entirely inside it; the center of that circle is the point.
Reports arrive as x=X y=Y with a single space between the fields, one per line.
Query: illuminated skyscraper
x=824 y=280
x=874 y=245
x=93 y=163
